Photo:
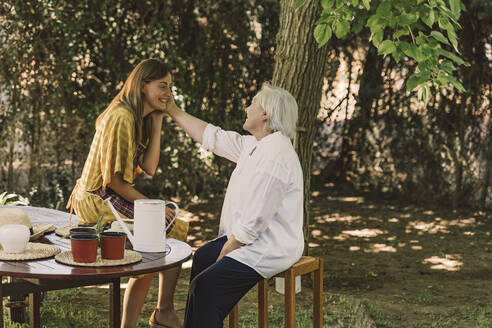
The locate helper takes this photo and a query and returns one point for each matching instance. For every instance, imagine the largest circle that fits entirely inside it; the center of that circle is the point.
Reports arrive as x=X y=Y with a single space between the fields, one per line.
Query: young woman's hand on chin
x=157 y=116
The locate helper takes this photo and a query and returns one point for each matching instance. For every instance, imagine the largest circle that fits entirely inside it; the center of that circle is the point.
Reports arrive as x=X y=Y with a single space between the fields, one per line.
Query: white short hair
x=281 y=109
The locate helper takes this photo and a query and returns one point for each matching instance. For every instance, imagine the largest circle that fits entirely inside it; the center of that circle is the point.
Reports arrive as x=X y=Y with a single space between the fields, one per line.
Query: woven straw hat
x=18 y=216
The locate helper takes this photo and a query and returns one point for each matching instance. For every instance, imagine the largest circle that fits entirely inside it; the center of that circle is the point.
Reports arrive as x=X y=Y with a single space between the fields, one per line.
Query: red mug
x=84 y=248
x=112 y=245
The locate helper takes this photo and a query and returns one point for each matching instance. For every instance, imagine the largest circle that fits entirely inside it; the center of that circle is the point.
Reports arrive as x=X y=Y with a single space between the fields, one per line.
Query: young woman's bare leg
x=165 y=314
x=134 y=299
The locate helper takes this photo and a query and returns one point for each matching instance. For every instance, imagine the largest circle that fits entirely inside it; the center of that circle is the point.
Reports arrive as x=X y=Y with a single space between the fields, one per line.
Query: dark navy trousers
x=215 y=286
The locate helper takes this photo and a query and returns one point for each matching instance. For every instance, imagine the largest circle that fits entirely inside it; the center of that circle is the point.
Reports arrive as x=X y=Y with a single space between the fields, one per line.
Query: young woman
x=126 y=143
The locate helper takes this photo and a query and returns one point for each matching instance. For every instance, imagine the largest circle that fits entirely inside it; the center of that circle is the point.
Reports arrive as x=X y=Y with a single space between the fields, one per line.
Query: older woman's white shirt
x=263 y=205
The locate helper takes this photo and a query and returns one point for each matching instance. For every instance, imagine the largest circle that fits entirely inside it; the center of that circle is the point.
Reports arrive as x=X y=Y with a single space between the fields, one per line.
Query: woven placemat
x=33 y=251
x=65 y=231
x=40 y=229
x=129 y=258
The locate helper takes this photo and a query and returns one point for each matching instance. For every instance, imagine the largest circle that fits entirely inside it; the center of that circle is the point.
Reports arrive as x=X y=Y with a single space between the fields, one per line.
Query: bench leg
x=318 y=296
x=263 y=304
x=34 y=313
x=290 y=299
x=114 y=303
x=233 y=317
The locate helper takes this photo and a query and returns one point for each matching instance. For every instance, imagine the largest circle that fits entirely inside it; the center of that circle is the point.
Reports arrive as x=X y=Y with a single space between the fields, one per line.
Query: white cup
x=14 y=238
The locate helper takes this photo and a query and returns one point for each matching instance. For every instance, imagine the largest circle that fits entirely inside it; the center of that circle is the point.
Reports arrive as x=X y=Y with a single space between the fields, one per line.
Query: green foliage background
x=62 y=62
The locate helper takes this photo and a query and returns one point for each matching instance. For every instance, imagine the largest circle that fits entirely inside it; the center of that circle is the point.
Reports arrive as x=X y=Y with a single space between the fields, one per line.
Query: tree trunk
x=299 y=69
x=487 y=180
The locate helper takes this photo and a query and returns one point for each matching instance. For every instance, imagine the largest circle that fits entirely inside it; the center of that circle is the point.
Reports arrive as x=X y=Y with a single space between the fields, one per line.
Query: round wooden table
x=47 y=274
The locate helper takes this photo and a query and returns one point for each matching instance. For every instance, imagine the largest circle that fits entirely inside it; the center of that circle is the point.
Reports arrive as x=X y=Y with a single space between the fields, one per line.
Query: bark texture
x=299 y=68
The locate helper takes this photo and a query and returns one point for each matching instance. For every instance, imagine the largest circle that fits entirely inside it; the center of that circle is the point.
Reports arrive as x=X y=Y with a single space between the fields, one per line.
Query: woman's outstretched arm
x=192 y=125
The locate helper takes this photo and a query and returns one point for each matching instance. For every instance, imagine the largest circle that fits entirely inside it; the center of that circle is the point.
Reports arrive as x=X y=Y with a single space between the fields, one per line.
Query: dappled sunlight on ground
x=405 y=258
x=451 y=262
x=357 y=200
x=425 y=227
x=396 y=255
x=438 y=225
x=335 y=217
x=364 y=232
x=376 y=248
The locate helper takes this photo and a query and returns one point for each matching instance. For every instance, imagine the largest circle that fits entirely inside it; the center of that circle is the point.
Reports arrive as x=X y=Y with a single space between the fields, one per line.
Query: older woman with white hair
x=260 y=232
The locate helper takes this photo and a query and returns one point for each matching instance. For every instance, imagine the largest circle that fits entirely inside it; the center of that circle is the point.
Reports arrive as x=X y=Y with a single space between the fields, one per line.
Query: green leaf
x=407 y=19
x=421 y=39
x=99 y=222
x=444 y=23
x=377 y=38
x=397 y=55
x=358 y=25
x=416 y=79
x=322 y=33
x=325 y=19
x=449 y=79
x=386 y=47
x=327 y=4
x=448 y=66
x=299 y=3
x=439 y=37
x=428 y=18
x=354 y=3
x=424 y=93
x=451 y=56
x=374 y=21
x=455 y=8
x=427 y=93
x=367 y=4
x=384 y=9
x=410 y=49
x=453 y=39
x=341 y=29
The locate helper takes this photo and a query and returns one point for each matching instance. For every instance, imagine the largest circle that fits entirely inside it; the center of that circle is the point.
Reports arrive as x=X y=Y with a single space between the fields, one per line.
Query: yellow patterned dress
x=113 y=151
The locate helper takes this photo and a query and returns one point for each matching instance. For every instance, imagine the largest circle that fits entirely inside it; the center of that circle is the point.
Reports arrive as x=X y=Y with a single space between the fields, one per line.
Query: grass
x=78 y=307
x=59 y=310
x=64 y=308
x=339 y=314
x=476 y=317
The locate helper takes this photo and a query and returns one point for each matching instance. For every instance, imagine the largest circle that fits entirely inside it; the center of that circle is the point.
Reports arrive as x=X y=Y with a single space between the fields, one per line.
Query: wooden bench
x=305 y=265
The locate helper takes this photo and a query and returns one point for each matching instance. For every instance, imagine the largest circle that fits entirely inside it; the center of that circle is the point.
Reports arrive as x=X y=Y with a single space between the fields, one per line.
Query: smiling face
x=256 y=120
x=156 y=94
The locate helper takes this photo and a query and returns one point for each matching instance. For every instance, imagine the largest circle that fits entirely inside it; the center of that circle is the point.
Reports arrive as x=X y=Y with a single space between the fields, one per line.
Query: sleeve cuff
x=243 y=234
x=208 y=138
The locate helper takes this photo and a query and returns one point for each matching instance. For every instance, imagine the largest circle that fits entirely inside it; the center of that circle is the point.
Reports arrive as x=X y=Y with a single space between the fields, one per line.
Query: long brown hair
x=131 y=95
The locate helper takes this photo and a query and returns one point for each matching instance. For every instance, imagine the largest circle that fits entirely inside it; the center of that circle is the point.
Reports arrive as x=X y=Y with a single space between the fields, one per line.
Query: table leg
x=114 y=303
x=17 y=305
x=1 y=301
x=34 y=312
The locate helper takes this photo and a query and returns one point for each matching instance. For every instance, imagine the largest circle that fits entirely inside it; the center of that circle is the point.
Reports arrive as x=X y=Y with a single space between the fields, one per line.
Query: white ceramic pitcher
x=149 y=224
x=14 y=238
